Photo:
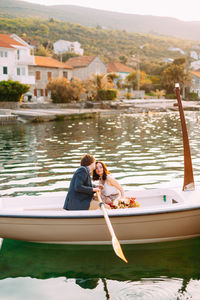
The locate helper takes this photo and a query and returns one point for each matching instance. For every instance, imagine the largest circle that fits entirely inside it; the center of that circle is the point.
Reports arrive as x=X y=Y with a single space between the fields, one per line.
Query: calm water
x=141 y=151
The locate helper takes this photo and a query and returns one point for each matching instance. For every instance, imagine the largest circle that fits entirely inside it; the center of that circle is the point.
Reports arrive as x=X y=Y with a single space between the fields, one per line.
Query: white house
x=195 y=65
x=195 y=83
x=173 y=49
x=168 y=60
x=15 y=56
x=83 y=67
x=119 y=69
x=194 y=55
x=62 y=46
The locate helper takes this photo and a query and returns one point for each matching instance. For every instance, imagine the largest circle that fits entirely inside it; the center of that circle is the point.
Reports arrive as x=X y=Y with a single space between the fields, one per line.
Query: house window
x=47 y=93
x=65 y=74
x=21 y=71
x=37 y=75
x=5 y=70
x=18 y=54
x=49 y=75
x=38 y=92
x=3 y=54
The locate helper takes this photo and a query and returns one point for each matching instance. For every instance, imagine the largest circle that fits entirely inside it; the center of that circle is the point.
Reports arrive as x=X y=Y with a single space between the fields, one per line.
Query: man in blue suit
x=80 y=193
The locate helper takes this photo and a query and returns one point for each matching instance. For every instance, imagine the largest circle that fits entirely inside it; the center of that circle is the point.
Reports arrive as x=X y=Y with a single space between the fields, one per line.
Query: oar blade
x=117 y=248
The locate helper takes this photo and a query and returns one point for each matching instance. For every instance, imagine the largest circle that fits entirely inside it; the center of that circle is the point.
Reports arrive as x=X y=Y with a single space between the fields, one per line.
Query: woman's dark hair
x=95 y=176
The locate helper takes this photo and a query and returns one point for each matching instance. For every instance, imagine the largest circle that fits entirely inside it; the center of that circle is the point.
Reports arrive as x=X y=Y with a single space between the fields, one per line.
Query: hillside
x=110 y=20
x=109 y=44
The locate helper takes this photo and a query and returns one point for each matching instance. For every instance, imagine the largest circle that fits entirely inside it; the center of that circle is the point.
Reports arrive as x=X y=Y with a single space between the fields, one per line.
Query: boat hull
x=130 y=229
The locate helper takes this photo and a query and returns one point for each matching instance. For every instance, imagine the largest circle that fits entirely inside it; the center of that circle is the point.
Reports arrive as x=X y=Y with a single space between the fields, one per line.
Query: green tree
x=133 y=80
x=100 y=82
x=65 y=56
x=12 y=90
x=123 y=59
x=175 y=73
x=42 y=51
x=179 y=61
x=111 y=77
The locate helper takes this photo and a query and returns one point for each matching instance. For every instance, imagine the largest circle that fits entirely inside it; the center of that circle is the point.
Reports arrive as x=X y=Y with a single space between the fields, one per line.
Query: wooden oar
x=116 y=245
x=188 y=184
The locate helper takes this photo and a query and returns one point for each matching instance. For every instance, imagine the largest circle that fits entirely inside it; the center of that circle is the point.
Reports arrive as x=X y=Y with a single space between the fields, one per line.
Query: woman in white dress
x=112 y=189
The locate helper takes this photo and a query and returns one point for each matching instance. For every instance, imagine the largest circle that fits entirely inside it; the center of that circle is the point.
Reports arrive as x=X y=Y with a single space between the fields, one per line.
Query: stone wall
x=9 y=105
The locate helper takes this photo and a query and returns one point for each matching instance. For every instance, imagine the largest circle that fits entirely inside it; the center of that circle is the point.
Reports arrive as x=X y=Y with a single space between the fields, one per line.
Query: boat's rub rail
x=43 y=208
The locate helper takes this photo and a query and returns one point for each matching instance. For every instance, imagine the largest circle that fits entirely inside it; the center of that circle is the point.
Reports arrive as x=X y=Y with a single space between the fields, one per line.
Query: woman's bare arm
x=114 y=182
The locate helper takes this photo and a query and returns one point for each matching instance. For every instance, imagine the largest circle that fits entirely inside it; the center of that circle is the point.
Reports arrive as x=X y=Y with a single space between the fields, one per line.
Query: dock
x=41 y=113
x=6 y=117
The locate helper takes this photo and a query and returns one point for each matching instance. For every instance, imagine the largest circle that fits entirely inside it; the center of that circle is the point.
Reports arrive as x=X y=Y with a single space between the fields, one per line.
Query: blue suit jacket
x=80 y=191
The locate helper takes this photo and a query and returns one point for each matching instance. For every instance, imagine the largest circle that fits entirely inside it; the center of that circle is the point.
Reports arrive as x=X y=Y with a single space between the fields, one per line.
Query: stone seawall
x=9 y=105
x=8 y=119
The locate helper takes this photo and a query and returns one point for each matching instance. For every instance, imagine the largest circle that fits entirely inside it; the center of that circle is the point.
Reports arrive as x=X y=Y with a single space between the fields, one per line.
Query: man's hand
x=96 y=189
x=100 y=186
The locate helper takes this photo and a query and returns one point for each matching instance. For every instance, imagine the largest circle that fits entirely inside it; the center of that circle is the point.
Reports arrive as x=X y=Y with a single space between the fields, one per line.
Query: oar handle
x=102 y=206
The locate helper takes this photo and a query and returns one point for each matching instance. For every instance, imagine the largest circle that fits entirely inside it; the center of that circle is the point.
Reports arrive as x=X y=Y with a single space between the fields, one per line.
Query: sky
x=180 y=9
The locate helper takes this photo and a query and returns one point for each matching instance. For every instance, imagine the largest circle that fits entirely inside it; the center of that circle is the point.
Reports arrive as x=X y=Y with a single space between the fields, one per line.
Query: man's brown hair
x=87 y=160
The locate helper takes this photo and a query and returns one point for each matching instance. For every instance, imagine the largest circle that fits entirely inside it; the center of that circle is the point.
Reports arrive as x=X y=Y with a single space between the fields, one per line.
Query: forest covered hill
x=108 y=44
x=105 y=19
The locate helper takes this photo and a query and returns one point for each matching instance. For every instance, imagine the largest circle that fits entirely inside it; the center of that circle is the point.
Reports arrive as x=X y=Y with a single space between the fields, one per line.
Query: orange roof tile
x=118 y=67
x=5 y=45
x=44 y=61
x=80 y=61
x=196 y=73
x=7 y=39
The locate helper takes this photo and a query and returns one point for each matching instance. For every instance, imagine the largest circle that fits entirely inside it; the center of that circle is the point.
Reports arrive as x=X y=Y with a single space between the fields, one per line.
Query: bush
x=128 y=95
x=193 y=96
x=12 y=91
x=170 y=96
x=106 y=94
x=65 y=91
x=151 y=94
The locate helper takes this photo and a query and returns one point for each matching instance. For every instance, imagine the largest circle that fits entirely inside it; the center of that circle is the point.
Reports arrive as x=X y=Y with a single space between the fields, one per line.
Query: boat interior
x=145 y=198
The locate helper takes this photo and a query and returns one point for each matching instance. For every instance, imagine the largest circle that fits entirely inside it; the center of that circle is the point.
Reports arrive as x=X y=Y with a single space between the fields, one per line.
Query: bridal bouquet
x=127 y=202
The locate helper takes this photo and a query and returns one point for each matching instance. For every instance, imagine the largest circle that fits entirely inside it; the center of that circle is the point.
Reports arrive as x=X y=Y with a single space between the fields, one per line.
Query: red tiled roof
x=5 y=45
x=44 y=61
x=118 y=67
x=7 y=39
x=196 y=73
x=80 y=61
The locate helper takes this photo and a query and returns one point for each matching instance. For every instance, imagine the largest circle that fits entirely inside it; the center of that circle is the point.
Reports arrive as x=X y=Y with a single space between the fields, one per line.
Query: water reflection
x=140 y=150
x=161 y=271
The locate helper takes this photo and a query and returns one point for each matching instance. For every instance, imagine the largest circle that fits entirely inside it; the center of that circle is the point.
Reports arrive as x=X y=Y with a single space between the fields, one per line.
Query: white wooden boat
x=156 y=220
x=163 y=215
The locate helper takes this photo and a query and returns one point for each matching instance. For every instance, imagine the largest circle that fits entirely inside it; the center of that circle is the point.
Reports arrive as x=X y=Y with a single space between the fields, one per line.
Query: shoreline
x=45 y=112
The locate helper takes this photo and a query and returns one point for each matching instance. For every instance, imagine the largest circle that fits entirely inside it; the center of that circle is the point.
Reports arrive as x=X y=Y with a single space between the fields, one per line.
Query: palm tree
x=100 y=82
x=160 y=93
